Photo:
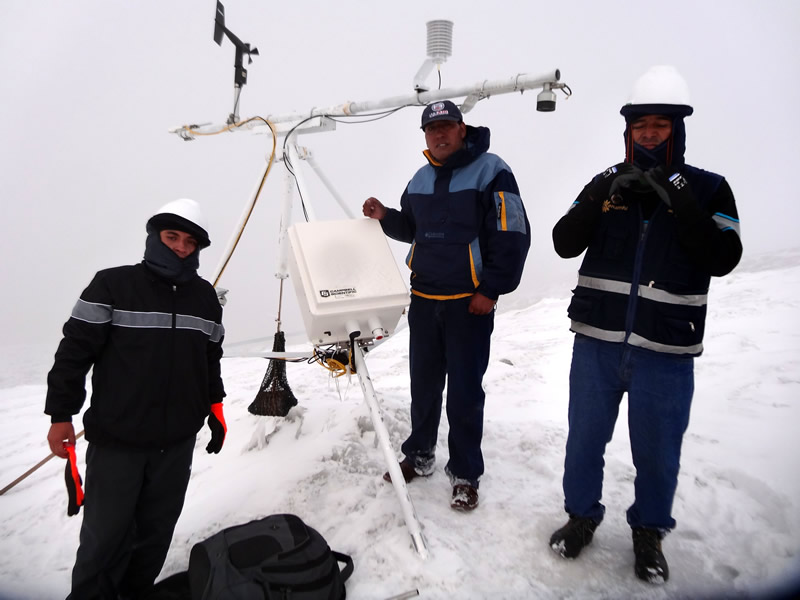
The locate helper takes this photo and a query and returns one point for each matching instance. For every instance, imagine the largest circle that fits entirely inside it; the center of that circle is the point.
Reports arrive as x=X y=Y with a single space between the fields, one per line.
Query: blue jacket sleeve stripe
x=510 y=214
x=476 y=261
x=724 y=222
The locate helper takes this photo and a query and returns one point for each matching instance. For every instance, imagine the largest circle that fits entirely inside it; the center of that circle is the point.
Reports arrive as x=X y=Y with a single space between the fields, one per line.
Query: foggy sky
x=88 y=91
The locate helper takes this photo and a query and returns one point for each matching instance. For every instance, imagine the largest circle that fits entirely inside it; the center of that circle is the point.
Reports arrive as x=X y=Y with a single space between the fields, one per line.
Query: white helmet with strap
x=184 y=215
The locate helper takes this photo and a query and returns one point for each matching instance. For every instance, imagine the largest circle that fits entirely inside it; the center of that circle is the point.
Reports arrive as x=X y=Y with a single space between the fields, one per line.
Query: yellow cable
x=258 y=193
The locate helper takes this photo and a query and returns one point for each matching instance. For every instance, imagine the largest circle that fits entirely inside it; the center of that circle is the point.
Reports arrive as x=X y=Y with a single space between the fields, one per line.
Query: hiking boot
x=409 y=472
x=465 y=497
x=651 y=566
x=573 y=537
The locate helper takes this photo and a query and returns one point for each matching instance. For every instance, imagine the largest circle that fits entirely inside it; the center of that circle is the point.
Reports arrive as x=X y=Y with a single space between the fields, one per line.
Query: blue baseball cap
x=440 y=111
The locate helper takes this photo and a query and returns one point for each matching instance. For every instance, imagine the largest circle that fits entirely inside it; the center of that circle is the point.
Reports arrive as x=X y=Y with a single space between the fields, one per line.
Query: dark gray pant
x=133 y=500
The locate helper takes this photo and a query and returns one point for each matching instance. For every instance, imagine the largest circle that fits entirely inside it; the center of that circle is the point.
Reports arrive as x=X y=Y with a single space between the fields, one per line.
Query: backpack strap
x=348 y=562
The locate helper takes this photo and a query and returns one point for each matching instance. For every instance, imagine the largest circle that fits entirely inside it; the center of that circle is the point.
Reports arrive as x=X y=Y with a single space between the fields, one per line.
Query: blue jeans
x=660 y=388
x=446 y=342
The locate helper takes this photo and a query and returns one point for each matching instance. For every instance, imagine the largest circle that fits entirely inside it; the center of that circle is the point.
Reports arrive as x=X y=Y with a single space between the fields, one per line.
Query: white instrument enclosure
x=346 y=280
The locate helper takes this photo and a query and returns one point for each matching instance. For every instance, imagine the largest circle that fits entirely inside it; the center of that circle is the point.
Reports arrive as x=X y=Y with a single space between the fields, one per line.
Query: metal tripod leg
x=399 y=484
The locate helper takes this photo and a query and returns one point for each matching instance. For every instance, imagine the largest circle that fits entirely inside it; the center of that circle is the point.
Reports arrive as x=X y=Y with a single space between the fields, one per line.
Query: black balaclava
x=180 y=215
x=163 y=261
x=671 y=151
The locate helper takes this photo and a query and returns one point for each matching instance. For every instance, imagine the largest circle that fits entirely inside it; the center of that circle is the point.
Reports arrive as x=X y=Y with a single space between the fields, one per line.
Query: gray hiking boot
x=573 y=537
x=651 y=566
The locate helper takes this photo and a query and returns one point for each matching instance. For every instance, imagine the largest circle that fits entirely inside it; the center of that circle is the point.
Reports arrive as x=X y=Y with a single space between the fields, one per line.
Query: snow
x=738 y=532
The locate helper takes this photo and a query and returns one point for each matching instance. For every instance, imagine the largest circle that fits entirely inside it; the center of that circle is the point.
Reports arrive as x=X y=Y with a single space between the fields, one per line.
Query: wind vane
x=242 y=48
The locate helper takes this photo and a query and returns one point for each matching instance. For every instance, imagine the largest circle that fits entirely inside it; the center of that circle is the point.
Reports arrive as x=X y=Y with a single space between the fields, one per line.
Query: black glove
x=216 y=423
x=609 y=181
x=74 y=481
x=671 y=187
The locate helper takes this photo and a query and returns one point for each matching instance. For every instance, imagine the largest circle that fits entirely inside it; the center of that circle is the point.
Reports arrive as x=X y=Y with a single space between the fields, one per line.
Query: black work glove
x=671 y=187
x=74 y=481
x=216 y=423
x=609 y=181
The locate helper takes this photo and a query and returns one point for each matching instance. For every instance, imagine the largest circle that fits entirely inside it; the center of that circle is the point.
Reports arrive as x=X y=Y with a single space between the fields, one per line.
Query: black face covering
x=670 y=152
x=165 y=263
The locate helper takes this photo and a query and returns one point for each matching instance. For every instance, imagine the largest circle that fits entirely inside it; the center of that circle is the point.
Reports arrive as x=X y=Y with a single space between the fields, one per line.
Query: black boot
x=573 y=537
x=651 y=566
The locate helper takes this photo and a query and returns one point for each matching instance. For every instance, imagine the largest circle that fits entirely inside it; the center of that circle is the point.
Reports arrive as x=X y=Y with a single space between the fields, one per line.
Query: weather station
x=350 y=306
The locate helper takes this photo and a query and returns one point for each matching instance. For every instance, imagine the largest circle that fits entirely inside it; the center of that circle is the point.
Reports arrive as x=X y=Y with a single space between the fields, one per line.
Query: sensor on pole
x=440 y=47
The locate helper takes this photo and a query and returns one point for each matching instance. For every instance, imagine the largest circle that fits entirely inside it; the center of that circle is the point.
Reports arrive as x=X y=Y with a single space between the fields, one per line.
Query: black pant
x=133 y=500
x=447 y=343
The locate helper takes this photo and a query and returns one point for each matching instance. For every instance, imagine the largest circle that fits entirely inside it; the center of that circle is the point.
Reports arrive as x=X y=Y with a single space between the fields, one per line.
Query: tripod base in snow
x=399 y=484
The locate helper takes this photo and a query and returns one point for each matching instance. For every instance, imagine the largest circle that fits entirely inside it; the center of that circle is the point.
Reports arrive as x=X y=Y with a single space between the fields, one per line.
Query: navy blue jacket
x=155 y=348
x=466 y=224
x=645 y=277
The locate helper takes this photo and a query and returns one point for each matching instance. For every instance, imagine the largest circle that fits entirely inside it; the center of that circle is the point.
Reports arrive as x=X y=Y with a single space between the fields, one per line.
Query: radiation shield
x=346 y=280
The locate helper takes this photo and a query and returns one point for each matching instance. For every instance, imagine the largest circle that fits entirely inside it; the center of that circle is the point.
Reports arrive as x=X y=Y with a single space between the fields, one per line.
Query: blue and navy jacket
x=155 y=350
x=645 y=277
x=466 y=224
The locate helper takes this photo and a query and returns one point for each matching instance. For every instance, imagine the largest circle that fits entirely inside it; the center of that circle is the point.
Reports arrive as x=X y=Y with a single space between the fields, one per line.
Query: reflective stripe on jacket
x=155 y=351
x=637 y=284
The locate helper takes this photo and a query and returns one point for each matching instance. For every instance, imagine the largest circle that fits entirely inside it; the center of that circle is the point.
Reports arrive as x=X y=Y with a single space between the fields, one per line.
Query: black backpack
x=275 y=557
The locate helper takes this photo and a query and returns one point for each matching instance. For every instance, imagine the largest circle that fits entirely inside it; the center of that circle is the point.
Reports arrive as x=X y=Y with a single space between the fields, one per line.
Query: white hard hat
x=661 y=90
x=184 y=215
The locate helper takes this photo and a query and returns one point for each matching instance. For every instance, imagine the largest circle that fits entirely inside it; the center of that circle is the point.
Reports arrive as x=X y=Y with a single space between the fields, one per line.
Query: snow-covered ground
x=737 y=505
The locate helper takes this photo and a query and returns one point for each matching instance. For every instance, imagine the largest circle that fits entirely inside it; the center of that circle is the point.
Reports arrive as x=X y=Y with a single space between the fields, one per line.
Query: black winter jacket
x=645 y=277
x=155 y=348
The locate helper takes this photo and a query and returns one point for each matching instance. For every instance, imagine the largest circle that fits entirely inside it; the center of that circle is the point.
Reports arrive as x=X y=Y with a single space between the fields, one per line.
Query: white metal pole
x=478 y=90
x=399 y=484
x=312 y=162
x=281 y=271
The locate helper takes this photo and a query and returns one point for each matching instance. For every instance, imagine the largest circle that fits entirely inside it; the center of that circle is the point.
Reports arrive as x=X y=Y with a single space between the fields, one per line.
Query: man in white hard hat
x=152 y=332
x=655 y=230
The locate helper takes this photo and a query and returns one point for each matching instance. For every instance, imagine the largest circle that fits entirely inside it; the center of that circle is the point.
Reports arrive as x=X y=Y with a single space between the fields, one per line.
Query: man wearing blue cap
x=655 y=230
x=469 y=235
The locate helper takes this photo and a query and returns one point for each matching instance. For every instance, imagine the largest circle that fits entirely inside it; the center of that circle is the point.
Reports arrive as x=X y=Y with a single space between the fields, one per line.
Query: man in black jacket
x=654 y=230
x=152 y=333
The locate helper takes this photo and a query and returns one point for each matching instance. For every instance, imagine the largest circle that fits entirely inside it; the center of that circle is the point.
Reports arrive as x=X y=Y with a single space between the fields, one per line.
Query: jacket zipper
x=633 y=302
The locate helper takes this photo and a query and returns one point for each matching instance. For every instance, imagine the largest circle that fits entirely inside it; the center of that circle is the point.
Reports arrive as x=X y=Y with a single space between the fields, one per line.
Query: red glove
x=216 y=423
x=74 y=481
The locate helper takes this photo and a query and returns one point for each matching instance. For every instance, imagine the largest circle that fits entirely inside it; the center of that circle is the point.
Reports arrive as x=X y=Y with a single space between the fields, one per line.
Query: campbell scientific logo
x=338 y=293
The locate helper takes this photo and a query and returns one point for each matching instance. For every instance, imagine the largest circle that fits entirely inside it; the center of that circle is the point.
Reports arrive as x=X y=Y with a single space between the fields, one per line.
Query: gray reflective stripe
x=214 y=331
x=725 y=222
x=637 y=340
x=633 y=340
x=668 y=298
x=597 y=333
x=144 y=320
x=159 y=320
x=606 y=285
x=651 y=293
x=91 y=312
